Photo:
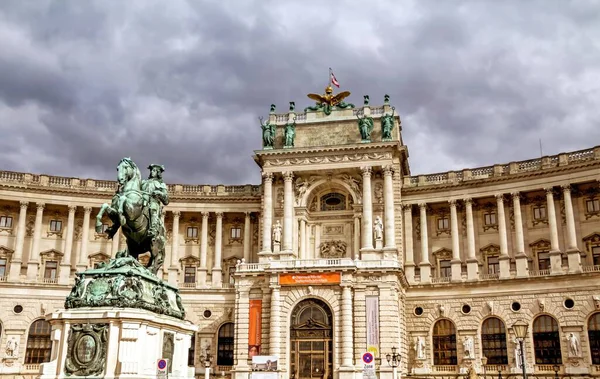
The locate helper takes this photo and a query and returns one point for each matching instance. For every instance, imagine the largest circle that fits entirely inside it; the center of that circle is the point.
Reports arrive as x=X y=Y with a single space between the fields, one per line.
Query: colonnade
x=521 y=258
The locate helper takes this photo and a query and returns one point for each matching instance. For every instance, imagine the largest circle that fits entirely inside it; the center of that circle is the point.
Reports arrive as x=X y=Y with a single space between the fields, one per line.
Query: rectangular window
x=493 y=265
x=596 y=255
x=55 y=225
x=2 y=267
x=539 y=213
x=443 y=223
x=5 y=222
x=192 y=232
x=543 y=260
x=445 y=269
x=189 y=274
x=592 y=205
x=236 y=233
x=489 y=218
x=50 y=270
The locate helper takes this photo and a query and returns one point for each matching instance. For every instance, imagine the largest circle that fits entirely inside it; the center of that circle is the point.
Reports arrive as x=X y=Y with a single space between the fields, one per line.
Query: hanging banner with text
x=322 y=278
x=372 y=305
x=255 y=328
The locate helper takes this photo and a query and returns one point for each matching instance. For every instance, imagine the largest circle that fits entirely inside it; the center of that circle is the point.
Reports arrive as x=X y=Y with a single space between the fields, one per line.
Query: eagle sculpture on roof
x=329 y=101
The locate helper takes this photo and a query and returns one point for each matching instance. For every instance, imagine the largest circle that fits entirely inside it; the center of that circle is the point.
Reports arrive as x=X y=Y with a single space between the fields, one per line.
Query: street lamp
x=520 y=329
x=556 y=368
x=484 y=363
x=393 y=360
x=207 y=358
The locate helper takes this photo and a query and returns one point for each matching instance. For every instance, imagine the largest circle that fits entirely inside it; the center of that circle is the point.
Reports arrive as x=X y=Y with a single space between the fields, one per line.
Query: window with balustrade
x=489 y=220
x=3 y=263
x=592 y=206
x=445 y=268
x=6 y=222
x=55 y=226
x=493 y=265
x=39 y=343
x=493 y=341
x=444 y=343
x=189 y=274
x=225 y=345
x=539 y=214
x=596 y=255
x=192 y=232
x=50 y=269
x=592 y=247
x=594 y=337
x=236 y=233
x=546 y=341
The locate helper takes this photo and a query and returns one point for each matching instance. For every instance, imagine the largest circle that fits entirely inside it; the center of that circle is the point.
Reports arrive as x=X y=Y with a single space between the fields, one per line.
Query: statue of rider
x=158 y=196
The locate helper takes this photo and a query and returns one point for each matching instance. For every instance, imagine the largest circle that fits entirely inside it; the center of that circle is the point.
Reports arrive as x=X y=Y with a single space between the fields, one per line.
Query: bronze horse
x=129 y=211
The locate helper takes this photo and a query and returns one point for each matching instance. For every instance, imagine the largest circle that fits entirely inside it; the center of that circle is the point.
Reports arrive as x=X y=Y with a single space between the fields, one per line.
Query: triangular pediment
x=490 y=249
x=312 y=324
x=594 y=237
x=540 y=243
x=51 y=252
x=443 y=253
x=5 y=251
x=100 y=256
x=190 y=260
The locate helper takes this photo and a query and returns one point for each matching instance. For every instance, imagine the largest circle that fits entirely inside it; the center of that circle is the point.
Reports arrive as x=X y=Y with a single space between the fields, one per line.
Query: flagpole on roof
x=329 y=79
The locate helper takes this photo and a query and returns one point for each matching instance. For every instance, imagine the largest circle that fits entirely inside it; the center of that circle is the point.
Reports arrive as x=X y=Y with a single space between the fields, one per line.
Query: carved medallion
x=86 y=350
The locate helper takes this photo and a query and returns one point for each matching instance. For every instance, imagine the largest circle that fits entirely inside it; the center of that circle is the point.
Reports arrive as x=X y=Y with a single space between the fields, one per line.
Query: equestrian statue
x=136 y=208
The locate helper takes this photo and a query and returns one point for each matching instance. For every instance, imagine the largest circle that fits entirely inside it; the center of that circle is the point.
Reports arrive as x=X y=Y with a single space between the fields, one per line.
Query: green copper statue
x=387 y=124
x=268 y=130
x=365 y=127
x=290 y=133
x=136 y=208
x=328 y=102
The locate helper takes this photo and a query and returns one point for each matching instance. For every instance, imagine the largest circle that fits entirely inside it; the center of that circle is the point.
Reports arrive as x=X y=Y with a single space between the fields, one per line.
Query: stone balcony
x=333 y=264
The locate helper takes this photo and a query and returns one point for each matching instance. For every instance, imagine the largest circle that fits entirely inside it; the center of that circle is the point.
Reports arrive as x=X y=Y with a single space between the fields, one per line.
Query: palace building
x=340 y=250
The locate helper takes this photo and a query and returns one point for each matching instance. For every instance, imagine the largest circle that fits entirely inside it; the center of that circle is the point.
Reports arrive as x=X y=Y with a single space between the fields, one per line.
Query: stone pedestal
x=555 y=262
x=378 y=244
x=117 y=343
x=456 y=267
x=370 y=254
x=425 y=272
x=64 y=273
x=409 y=271
x=522 y=265
x=472 y=269
x=276 y=247
x=574 y=259
x=504 y=263
x=202 y=277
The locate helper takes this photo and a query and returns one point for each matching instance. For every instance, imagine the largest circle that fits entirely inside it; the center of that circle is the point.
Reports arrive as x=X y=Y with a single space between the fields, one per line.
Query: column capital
x=205 y=214
x=499 y=198
x=422 y=206
x=406 y=207
x=366 y=171
x=219 y=214
x=549 y=190
x=468 y=201
x=24 y=204
x=288 y=176
x=87 y=209
x=388 y=170
x=566 y=188
x=176 y=214
x=248 y=214
x=40 y=206
x=267 y=176
x=72 y=208
x=452 y=203
x=516 y=194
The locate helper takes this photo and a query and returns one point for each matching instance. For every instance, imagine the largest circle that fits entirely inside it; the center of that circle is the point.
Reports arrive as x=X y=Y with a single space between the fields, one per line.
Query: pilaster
x=15 y=263
x=34 y=258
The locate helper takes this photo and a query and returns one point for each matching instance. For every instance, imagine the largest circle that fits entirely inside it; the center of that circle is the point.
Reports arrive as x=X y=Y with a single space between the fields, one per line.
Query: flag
x=333 y=79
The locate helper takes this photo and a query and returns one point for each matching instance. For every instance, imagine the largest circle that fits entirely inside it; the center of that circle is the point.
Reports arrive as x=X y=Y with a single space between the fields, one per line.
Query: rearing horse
x=130 y=212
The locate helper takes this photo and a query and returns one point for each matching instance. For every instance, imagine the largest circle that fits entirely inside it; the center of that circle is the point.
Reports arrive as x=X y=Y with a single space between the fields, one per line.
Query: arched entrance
x=311 y=340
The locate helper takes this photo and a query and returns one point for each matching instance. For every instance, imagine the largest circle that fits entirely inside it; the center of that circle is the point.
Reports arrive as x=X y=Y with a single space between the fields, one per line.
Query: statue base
x=112 y=343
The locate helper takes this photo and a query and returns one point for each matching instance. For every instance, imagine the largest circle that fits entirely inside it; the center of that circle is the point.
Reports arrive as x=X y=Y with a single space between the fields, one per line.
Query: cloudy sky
x=84 y=83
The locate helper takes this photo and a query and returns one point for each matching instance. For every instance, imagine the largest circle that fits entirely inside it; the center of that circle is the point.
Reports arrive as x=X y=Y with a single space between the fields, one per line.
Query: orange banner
x=316 y=278
x=255 y=327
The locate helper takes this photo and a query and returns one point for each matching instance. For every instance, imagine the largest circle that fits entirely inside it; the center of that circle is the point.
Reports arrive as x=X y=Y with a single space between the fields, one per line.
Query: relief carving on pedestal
x=86 y=350
x=333 y=249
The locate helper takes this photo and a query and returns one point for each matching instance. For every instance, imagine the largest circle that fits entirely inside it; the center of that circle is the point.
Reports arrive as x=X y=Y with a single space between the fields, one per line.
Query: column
x=555 y=255
x=288 y=212
x=173 y=271
x=275 y=327
x=267 y=213
x=504 y=259
x=388 y=199
x=409 y=257
x=34 y=257
x=367 y=215
x=317 y=240
x=217 y=274
x=65 y=266
x=82 y=261
x=303 y=247
x=242 y=327
x=573 y=254
x=203 y=249
x=425 y=265
x=356 y=250
x=17 y=259
x=115 y=243
x=347 y=329
x=456 y=263
x=307 y=250
x=247 y=237
x=472 y=263
x=520 y=257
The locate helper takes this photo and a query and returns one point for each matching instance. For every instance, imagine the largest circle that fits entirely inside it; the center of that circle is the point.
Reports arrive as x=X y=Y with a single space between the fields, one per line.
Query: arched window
x=225 y=345
x=39 y=344
x=546 y=341
x=594 y=337
x=493 y=341
x=444 y=343
x=333 y=202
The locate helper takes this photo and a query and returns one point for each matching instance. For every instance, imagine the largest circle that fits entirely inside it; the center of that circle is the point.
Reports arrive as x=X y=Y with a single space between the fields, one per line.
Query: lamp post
x=556 y=368
x=207 y=358
x=484 y=363
x=393 y=360
x=520 y=329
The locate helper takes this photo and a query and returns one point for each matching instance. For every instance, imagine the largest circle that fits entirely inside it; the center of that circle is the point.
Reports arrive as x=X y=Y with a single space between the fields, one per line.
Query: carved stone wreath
x=86 y=349
x=333 y=249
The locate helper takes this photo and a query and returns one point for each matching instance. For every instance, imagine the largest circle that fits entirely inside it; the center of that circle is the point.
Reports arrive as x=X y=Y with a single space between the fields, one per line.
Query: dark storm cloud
x=83 y=84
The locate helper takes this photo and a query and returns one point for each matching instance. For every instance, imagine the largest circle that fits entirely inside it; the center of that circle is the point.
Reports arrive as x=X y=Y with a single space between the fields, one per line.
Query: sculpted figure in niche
x=277 y=232
x=12 y=348
x=420 y=347
x=468 y=347
x=378 y=229
x=574 y=346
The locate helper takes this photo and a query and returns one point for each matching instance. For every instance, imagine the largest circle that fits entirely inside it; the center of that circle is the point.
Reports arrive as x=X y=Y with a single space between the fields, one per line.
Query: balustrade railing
x=539 y=272
x=590 y=268
x=444 y=368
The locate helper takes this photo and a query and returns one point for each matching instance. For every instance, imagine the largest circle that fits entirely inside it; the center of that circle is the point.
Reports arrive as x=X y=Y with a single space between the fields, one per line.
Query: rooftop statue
x=136 y=208
x=268 y=130
x=387 y=124
x=329 y=101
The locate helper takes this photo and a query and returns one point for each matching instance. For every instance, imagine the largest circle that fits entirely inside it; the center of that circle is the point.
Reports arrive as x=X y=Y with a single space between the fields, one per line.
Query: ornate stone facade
x=459 y=251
